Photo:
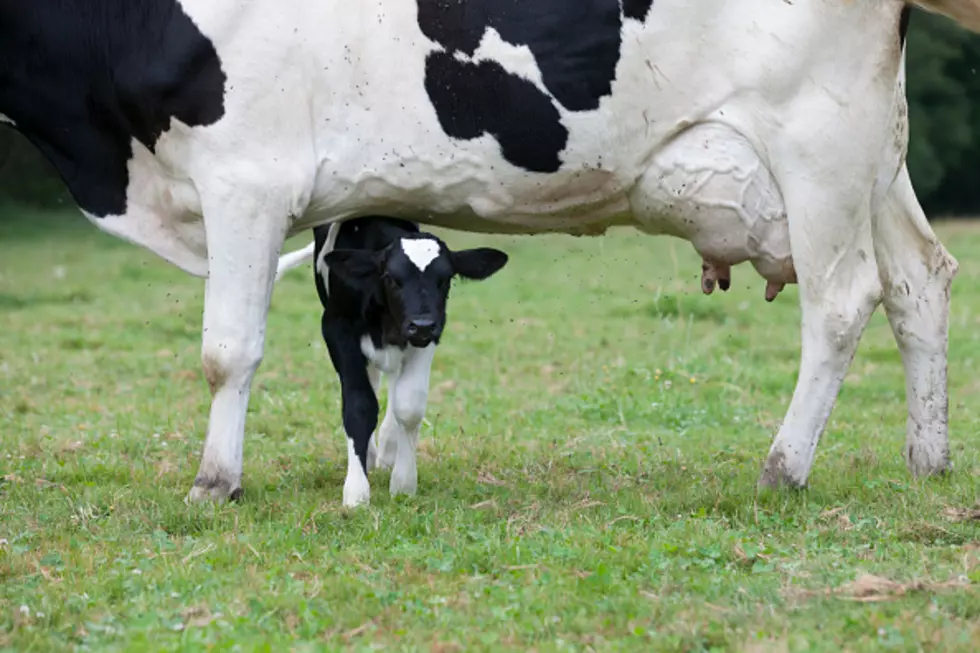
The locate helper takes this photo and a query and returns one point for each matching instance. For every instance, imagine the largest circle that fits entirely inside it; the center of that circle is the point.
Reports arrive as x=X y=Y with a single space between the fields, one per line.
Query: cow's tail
x=964 y=12
x=294 y=259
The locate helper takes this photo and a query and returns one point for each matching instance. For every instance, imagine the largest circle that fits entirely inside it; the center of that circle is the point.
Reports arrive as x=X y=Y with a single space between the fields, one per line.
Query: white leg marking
x=420 y=251
x=411 y=394
x=388 y=433
x=374 y=375
x=387 y=359
x=917 y=271
x=357 y=490
x=243 y=243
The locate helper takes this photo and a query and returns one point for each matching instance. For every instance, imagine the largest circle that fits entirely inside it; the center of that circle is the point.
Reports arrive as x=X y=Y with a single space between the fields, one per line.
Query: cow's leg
x=830 y=235
x=725 y=199
x=243 y=248
x=360 y=404
x=916 y=273
x=409 y=394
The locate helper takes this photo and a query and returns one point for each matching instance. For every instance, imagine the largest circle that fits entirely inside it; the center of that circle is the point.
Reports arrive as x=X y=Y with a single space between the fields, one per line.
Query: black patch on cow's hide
x=576 y=44
x=82 y=79
x=473 y=99
x=637 y=9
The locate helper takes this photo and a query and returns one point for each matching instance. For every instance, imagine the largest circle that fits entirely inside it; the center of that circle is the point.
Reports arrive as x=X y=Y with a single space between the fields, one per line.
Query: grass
x=587 y=471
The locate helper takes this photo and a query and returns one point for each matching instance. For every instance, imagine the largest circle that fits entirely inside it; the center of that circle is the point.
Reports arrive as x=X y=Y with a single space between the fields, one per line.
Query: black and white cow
x=383 y=285
x=210 y=130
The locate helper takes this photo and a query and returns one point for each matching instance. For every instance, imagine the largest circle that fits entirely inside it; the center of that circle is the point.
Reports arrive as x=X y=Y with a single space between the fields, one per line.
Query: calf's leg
x=360 y=404
x=407 y=399
x=387 y=437
x=374 y=374
x=916 y=273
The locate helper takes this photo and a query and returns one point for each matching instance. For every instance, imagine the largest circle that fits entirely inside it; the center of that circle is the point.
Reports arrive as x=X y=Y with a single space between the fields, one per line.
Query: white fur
x=5 y=120
x=357 y=489
x=387 y=359
x=374 y=376
x=803 y=100
x=420 y=251
x=408 y=394
x=294 y=259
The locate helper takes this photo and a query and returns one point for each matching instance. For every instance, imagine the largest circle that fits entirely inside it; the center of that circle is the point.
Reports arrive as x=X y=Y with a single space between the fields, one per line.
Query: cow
x=208 y=131
x=383 y=284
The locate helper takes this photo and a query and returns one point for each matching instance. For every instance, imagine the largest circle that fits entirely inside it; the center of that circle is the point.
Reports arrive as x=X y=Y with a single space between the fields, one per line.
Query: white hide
x=327 y=118
x=4 y=120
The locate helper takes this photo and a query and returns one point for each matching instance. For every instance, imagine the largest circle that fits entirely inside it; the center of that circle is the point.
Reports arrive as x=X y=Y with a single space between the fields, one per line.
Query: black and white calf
x=384 y=284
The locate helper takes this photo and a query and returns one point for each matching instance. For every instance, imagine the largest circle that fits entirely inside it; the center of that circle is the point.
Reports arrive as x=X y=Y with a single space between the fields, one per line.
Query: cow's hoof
x=925 y=464
x=776 y=476
x=930 y=469
x=214 y=491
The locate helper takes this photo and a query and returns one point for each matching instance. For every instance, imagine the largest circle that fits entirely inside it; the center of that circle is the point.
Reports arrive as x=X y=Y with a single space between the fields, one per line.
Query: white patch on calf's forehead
x=420 y=251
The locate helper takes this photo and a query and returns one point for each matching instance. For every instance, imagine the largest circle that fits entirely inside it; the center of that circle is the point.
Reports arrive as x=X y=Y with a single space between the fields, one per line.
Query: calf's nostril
x=421 y=326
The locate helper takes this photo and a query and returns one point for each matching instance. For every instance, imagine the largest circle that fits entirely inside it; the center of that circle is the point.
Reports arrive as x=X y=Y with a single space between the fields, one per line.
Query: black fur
x=81 y=79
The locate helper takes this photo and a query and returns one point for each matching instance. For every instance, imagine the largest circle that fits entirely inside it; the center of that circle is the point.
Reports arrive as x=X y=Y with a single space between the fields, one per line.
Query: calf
x=384 y=284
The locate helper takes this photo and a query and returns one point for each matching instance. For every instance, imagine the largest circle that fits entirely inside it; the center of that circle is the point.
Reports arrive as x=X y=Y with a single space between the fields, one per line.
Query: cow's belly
x=364 y=130
x=388 y=147
x=507 y=149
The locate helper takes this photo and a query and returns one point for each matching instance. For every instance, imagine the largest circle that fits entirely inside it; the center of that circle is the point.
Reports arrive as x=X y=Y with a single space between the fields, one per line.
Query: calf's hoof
x=357 y=492
x=215 y=490
x=407 y=484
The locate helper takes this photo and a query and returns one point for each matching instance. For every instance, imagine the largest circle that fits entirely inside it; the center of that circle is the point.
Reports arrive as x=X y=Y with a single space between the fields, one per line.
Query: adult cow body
x=209 y=130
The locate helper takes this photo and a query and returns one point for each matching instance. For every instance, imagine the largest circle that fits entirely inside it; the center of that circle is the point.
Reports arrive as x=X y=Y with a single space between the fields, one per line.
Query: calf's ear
x=357 y=267
x=478 y=264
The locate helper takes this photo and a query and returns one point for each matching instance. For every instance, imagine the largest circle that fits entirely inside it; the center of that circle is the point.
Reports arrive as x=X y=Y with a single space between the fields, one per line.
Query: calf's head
x=411 y=279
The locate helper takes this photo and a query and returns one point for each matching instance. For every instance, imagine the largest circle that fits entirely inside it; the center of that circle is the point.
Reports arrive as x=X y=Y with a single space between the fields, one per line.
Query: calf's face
x=411 y=277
